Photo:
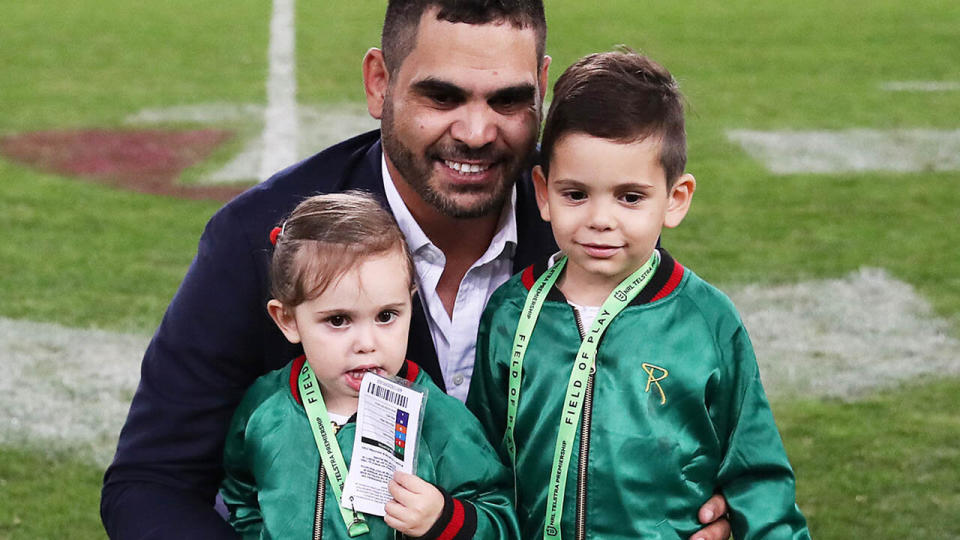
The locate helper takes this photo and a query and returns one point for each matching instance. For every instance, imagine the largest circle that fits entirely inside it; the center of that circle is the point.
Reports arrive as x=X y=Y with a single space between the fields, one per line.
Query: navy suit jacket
x=216 y=338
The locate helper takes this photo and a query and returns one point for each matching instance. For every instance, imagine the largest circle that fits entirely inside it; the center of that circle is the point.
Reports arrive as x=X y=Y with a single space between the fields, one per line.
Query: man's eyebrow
x=514 y=94
x=432 y=87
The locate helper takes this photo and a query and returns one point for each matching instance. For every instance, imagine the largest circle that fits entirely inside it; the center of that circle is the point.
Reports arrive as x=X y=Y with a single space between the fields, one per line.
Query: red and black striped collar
x=664 y=281
x=408 y=371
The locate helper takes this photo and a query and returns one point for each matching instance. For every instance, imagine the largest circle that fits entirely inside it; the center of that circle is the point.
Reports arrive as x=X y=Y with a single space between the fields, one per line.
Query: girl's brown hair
x=324 y=237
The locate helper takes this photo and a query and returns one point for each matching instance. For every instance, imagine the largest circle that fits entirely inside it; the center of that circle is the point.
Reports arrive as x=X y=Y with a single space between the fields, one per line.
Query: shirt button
x=458 y=379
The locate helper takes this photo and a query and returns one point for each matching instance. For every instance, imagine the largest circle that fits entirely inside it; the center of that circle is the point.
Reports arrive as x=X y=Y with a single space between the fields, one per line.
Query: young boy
x=622 y=386
x=341 y=279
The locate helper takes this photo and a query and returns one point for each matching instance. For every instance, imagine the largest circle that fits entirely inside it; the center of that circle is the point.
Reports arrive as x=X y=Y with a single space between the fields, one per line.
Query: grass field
x=89 y=256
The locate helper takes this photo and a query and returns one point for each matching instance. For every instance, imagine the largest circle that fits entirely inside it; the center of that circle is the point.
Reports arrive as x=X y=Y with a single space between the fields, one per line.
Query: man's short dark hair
x=620 y=96
x=403 y=19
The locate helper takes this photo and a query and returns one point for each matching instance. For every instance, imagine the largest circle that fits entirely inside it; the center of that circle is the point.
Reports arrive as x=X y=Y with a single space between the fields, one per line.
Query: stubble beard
x=417 y=172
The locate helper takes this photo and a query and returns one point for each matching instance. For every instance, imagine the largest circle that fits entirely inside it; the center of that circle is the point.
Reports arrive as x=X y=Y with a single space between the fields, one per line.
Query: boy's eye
x=337 y=321
x=632 y=198
x=574 y=195
x=386 y=316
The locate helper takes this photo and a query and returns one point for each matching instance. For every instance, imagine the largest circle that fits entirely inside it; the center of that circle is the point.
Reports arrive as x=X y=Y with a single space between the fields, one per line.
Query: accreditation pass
x=388 y=422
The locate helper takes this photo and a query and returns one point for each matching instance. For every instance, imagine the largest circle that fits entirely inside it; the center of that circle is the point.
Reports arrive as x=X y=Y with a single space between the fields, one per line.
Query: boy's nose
x=600 y=218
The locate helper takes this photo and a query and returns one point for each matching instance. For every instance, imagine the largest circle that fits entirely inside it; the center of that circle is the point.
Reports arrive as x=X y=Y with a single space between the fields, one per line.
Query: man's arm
x=208 y=349
x=477 y=486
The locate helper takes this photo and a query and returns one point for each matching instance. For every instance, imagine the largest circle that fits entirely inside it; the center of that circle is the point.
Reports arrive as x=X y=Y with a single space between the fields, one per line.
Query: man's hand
x=416 y=505
x=712 y=514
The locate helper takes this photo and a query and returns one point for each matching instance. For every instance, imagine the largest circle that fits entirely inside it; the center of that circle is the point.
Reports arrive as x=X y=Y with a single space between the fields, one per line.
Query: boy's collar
x=664 y=281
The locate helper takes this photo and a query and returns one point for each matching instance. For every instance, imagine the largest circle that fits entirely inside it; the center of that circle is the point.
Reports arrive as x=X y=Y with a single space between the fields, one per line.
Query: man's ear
x=540 y=187
x=284 y=319
x=544 y=76
x=376 y=79
x=680 y=197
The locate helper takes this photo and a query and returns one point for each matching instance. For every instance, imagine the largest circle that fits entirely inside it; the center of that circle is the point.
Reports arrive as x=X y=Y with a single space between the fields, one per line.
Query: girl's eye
x=575 y=195
x=386 y=316
x=337 y=321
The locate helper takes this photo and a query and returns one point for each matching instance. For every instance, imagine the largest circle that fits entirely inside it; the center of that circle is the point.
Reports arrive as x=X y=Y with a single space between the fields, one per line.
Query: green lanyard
x=584 y=362
x=330 y=454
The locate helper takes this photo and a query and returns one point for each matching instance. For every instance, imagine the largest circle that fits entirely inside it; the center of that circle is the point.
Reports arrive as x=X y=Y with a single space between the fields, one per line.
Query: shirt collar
x=504 y=240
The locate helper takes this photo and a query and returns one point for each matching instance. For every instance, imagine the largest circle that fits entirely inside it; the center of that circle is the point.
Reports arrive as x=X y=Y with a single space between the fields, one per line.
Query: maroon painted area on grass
x=148 y=161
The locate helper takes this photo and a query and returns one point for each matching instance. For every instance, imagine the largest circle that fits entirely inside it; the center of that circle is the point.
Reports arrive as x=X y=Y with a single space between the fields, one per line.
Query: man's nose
x=476 y=125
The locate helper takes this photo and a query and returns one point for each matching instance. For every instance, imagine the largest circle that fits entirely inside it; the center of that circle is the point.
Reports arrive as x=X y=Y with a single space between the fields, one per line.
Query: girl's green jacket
x=272 y=466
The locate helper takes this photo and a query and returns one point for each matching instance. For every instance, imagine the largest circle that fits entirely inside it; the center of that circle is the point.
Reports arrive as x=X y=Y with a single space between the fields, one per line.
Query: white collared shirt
x=455 y=338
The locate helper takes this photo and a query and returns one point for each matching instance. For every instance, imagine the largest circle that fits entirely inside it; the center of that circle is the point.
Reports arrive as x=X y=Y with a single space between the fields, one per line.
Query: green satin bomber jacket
x=678 y=413
x=272 y=466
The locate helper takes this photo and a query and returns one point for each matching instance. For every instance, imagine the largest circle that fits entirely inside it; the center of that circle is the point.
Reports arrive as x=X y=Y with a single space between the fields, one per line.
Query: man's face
x=461 y=114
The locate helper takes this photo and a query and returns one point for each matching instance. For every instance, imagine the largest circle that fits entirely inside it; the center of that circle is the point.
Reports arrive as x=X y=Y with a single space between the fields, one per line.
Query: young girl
x=341 y=281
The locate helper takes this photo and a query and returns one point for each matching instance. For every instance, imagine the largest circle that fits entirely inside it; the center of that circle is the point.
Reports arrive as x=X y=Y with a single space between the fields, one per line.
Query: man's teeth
x=465 y=167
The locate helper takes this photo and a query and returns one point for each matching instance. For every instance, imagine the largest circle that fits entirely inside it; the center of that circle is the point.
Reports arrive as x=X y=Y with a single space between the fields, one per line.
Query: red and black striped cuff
x=457 y=521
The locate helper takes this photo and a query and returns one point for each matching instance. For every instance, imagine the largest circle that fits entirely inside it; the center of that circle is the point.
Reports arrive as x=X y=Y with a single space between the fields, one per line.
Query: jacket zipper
x=581 y=530
x=321 y=495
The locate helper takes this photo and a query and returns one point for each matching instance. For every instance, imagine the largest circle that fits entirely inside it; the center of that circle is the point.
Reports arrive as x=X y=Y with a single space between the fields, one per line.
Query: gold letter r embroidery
x=655 y=374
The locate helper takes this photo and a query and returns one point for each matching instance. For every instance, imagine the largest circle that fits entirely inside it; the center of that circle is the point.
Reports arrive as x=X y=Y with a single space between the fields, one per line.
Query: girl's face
x=358 y=324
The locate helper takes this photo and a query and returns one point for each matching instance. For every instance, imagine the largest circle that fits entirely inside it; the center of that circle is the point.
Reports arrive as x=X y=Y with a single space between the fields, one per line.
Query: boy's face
x=358 y=324
x=607 y=203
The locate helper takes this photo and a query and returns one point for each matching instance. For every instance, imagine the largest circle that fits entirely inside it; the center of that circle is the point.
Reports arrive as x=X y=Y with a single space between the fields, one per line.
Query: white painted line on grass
x=280 y=125
x=68 y=389
x=845 y=337
x=921 y=86
x=853 y=150
x=319 y=127
x=206 y=113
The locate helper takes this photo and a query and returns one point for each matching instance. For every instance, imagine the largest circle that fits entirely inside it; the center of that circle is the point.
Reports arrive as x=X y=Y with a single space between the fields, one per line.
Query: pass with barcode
x=388 y=424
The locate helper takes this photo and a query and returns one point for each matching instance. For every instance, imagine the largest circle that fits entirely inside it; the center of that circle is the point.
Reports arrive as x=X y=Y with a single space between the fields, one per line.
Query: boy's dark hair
x=620 y=96
x=324 y=237
x=403 y=19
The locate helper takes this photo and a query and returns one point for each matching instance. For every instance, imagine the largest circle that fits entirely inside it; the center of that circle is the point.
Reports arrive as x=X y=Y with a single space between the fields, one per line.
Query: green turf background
x=89 y=256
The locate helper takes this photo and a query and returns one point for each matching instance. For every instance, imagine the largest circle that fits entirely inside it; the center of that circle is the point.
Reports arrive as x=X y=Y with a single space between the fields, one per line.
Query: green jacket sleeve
x=487 y=399
x=478 y=488
x=755 y=475
x=239 y=489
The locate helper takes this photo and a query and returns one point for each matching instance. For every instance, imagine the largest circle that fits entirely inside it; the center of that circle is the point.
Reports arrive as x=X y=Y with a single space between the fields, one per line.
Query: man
x=458 y=87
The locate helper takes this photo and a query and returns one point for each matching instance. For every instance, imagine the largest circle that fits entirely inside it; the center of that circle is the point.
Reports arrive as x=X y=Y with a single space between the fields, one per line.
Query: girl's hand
x=416 y=505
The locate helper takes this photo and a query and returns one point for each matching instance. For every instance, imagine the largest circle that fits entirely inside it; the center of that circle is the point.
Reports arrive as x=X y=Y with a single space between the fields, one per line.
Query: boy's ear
x=680 y=197
x=376 y=79
x=285 y=320
x=540 y=188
